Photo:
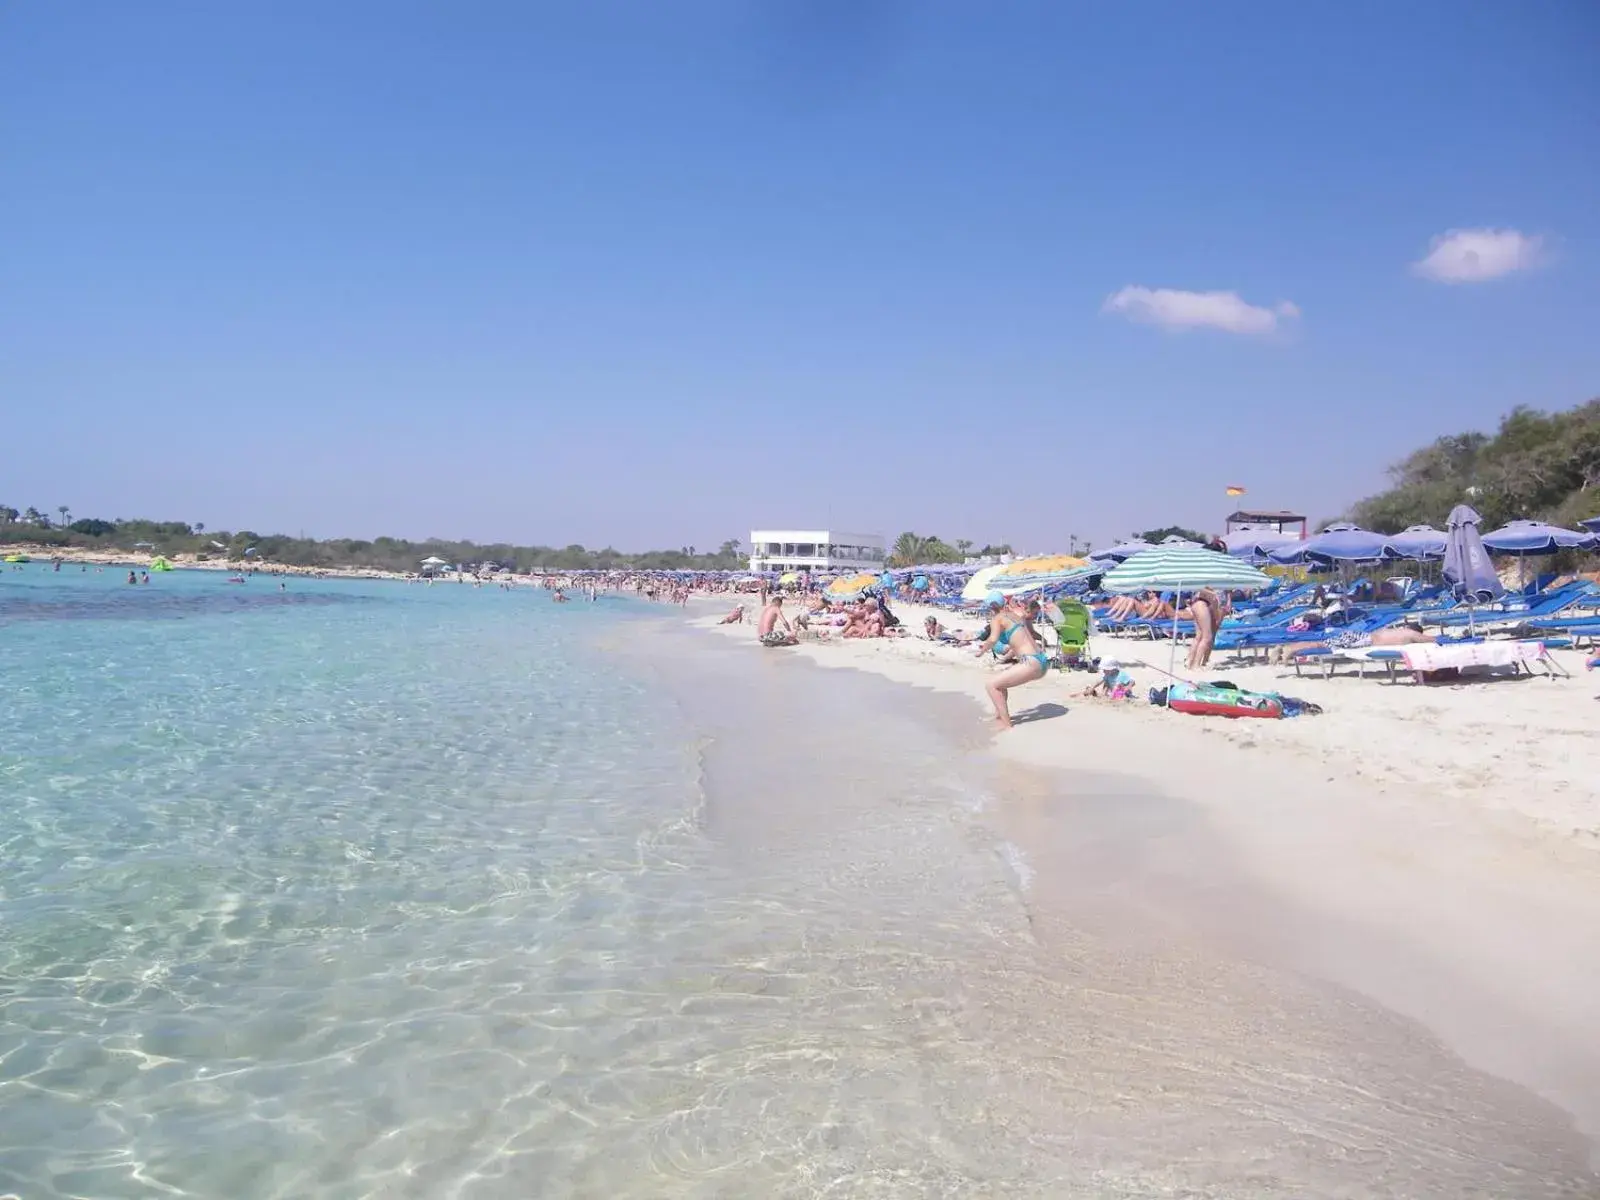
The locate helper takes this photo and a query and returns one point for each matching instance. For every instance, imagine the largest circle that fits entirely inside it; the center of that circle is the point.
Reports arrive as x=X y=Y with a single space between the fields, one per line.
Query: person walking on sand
x=1010 y=633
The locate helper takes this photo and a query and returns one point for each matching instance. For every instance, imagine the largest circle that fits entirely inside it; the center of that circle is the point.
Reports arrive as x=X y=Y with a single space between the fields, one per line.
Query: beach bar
x=817 y=550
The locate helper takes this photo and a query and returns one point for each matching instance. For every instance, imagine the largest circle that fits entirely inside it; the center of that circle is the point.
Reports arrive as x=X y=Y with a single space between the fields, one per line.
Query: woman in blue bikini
x=1009 y=634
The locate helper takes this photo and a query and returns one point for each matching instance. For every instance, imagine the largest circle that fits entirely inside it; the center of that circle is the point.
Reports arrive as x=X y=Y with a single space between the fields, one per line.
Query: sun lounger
x=1328 y=658
x=1577 y=629
x=1548 y=605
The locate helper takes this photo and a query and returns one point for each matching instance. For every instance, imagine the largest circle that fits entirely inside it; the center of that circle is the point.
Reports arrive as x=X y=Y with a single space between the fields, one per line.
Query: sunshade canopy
x=1535 y=537
x=979 y=585
x=1041 y=564
x=1419 y=542
x=850 y=586
x=1257 y=543
x=1336 y=543
x=1123 y=550
x=1186 y=567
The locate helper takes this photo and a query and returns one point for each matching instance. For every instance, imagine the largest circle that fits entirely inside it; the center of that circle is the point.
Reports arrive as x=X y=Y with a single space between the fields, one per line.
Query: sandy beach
x=1442 y=842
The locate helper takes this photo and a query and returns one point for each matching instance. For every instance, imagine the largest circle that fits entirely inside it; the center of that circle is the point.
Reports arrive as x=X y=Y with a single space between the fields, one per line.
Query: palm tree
x=199 y=528
x=907 y=550
x=66 y=515
x=33 y=516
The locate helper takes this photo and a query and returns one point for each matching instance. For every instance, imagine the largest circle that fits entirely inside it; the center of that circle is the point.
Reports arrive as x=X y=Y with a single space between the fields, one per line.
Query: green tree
x=1159 y=535
x=1537 y=464
x=913 y=549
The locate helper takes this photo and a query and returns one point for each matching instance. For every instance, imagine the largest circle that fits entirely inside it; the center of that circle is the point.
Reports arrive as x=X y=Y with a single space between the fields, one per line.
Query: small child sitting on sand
x=1114 y=683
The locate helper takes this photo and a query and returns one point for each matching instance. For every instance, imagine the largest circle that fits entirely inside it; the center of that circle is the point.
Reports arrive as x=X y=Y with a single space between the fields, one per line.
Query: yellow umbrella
x=980 y=584
x=790 y=577
x=1041 y=564
x=853 y=585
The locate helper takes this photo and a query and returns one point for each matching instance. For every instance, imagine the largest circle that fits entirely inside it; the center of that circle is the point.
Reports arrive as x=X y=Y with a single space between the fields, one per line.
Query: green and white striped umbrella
x=1185 y=567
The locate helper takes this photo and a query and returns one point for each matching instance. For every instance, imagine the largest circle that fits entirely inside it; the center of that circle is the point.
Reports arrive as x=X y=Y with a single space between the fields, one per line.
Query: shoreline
x=1468 y=902
x=79 y=556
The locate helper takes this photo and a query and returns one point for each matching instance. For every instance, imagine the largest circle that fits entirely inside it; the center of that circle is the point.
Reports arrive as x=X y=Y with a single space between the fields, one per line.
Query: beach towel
x=1423 y=657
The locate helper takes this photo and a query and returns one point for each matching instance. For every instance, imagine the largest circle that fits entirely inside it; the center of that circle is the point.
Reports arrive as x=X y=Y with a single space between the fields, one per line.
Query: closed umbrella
x=1418 y=543
x=1183 y=568
x=1467 y=568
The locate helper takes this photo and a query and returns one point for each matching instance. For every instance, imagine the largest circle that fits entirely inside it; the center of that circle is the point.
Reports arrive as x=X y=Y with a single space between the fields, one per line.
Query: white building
x=817 y=550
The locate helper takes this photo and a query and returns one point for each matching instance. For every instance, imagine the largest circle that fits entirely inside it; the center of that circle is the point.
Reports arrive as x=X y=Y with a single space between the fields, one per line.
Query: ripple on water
x=413 y=893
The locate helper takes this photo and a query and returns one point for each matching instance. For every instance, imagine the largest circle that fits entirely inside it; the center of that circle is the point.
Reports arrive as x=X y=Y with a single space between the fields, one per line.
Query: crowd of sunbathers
x=1205 y=607
x=867 y=617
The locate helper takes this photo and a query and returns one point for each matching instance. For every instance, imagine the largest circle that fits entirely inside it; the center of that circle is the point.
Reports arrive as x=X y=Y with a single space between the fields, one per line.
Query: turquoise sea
x=385 y=890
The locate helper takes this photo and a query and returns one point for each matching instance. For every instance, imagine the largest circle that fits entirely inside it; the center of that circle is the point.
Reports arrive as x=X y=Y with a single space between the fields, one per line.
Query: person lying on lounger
x=1355 y=639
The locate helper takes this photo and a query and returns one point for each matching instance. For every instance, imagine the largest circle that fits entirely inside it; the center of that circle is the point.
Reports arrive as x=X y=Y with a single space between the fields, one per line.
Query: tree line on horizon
x=34 y=527
x=1539 y=465
x=915 y=549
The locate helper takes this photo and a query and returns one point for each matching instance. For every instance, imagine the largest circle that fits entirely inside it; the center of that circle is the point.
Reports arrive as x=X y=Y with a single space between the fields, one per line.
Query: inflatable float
x=1209 y=700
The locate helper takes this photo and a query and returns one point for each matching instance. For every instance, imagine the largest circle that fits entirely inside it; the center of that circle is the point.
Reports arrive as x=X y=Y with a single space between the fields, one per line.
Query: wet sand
x=1459 y=958
x=1132 y=999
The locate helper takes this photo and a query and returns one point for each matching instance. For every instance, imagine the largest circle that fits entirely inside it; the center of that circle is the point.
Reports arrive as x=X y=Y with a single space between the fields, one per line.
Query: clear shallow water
x=375 y=890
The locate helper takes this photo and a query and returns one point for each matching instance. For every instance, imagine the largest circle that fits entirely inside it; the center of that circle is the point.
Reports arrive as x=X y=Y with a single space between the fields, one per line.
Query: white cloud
x=1172 y=309
x=1474 y=255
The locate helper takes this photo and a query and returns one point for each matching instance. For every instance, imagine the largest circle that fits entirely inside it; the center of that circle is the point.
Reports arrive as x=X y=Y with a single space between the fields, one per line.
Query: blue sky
x=653 y=274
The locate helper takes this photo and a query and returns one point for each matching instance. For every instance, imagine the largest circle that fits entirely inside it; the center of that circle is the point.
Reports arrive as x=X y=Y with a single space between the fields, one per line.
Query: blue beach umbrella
x=1418 y=543
x=1254 y=544
x=1526 y=538
x=1336 y=543
x=1122 y=550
